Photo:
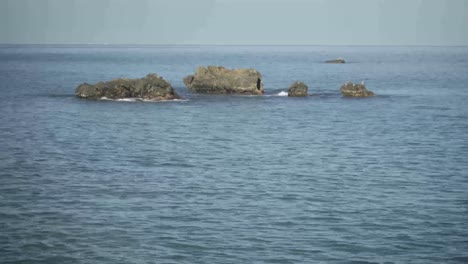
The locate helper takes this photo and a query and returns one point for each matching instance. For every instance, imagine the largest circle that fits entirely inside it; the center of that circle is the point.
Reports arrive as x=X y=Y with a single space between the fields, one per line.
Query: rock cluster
x=350 y=89
x=208 y=80
x=151 y=87
x=220 y=80
x=298 y=89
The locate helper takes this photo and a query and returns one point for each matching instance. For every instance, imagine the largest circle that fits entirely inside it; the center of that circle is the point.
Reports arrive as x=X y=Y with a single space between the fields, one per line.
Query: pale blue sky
x=231 y=22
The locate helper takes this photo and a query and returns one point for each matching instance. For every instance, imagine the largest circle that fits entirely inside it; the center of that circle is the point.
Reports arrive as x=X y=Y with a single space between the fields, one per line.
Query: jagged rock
x=298 y=89
x=339 y=60
x=219 y=80
x=151 y=87
x=350 y=89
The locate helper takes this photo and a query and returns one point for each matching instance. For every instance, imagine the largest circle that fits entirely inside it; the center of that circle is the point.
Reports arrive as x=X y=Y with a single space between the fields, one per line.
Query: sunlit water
x=235 y=179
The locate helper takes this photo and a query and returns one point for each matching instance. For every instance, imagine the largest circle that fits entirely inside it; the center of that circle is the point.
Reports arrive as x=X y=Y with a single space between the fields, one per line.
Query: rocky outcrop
x=337 y=61
x=298 y=89
x=350 y=89
x=220 y=80
x=151 y=87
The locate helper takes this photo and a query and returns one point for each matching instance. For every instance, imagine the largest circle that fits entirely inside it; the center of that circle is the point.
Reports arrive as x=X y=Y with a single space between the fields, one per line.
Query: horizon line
x=227 y=45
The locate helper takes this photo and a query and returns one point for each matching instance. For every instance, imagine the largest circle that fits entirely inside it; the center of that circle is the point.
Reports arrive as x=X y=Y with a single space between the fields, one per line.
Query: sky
x=235 y=22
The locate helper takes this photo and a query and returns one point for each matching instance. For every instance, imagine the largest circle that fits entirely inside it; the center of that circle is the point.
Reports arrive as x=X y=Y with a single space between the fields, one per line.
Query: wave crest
x=141 y=100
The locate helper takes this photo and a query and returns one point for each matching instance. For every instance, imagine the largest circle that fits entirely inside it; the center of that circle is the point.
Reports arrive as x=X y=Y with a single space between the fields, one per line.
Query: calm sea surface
x=235 y=179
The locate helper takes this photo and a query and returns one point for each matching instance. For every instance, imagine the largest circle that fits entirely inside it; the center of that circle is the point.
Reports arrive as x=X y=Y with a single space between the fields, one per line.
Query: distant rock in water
x=338 y=61
x=151 y=87
x=219 y=80
x=298 y=89
x=350 y=89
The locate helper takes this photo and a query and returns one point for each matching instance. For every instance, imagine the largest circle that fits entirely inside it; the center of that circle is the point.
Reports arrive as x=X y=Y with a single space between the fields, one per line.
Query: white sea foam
x=282 y=93
x=127 y=100
x=130 y=99
x=173 y=100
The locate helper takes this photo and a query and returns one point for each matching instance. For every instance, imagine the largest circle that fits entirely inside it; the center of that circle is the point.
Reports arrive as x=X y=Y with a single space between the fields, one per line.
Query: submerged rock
x=350 y=89
x=298 y=89
x=220 y=80
x=151 y=87
x=339 y=60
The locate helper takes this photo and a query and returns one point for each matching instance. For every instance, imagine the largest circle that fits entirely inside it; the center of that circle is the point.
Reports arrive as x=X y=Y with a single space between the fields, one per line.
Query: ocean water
x=235 y=179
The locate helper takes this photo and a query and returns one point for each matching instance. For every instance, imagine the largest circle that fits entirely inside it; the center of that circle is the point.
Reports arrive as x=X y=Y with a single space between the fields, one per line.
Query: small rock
x=350 y=89
x=337 y=61
x=298 y=89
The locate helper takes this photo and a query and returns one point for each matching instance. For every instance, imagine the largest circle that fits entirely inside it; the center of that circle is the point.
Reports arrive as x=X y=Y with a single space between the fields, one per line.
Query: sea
x=231 y=178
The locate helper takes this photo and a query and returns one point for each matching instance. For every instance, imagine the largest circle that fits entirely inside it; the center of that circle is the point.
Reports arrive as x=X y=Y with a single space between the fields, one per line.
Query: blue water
x=235 y=179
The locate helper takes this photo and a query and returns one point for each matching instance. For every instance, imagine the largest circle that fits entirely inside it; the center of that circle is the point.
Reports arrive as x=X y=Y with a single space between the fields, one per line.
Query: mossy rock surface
x=220 y=80
x=298 y=89
x=150 y=87
x=350 y=89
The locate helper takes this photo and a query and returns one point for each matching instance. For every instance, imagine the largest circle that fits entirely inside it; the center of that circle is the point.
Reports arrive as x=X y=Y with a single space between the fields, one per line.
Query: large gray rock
x=350 y=89
x=298 y=89
x=219 y=80
x=151 y=87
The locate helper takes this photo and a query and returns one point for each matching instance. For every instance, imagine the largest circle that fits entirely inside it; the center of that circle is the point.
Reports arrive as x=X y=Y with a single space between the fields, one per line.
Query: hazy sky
x=297 y=22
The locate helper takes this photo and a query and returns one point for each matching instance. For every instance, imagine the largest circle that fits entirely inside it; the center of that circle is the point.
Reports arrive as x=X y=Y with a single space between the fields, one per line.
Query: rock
x=339 y=60
x=151 y=87
x=350 y=89
x=219 y=80
x=298 y=89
